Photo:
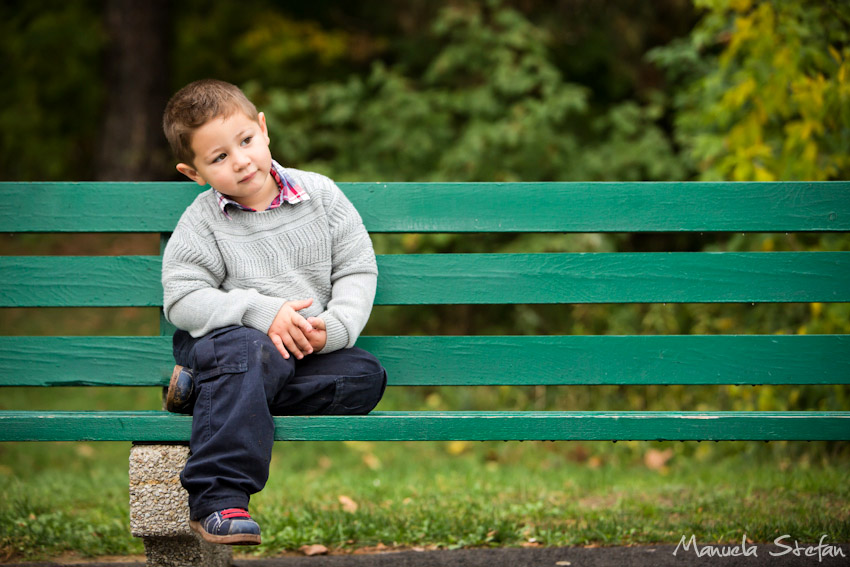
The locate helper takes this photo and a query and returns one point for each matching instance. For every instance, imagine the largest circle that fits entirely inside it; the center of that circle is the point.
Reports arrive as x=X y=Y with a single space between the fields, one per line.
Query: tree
x=130 y=145
x=491 y=104
x=767 y=93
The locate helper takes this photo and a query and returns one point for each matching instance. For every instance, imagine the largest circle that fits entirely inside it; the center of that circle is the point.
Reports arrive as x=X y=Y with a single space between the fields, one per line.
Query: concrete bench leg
x=159 y=510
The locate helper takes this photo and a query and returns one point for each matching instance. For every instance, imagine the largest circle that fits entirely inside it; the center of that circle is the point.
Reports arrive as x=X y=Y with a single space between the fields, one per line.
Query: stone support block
x=159 y=510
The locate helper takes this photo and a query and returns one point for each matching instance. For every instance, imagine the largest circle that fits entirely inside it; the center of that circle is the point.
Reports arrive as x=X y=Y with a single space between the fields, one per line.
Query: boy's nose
x=241 y=160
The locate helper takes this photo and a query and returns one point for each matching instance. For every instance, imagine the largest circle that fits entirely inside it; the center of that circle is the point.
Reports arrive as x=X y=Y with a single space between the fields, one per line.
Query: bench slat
x=472 y=360
x=414 y=279
x=464 y=207
x=689 y=277
x=156 y=426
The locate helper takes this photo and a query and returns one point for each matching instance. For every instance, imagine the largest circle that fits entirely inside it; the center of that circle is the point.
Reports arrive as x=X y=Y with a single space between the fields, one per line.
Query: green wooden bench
x=417 y=279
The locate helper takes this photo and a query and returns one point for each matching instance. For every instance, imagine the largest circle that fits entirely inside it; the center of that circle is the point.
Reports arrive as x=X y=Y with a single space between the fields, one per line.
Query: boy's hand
x=318 y=337
x=289 y=330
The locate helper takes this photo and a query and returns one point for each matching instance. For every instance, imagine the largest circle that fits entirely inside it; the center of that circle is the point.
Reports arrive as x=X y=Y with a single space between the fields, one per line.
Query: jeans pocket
x=223 y=351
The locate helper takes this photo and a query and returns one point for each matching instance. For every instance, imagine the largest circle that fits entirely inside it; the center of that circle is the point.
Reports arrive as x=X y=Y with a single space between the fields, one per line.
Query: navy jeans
x=242 y=381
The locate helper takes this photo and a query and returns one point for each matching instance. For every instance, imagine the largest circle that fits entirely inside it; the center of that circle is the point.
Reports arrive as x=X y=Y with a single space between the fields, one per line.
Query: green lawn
x=59 y=497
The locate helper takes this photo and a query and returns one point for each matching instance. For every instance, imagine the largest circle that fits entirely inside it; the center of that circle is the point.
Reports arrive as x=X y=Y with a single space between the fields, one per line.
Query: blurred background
x=530 y=90
x=456 y=90
x=424 y=90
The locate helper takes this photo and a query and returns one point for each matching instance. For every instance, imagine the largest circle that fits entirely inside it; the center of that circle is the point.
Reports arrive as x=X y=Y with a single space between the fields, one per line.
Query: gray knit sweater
x=239 y=271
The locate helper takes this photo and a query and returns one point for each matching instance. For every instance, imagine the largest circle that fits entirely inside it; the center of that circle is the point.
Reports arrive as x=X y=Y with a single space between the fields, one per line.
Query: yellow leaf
x=434 y=400
x=764 y=175
x=457 y=447
x=740 y=93
x=810 y=152
x=794 y=396
x=842 y=74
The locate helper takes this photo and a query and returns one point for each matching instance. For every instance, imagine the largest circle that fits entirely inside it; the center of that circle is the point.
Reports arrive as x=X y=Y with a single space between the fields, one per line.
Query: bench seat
x=164 y=427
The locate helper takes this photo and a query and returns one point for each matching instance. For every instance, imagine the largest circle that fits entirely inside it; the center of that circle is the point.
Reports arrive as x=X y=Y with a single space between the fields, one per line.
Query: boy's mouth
x=248 y=177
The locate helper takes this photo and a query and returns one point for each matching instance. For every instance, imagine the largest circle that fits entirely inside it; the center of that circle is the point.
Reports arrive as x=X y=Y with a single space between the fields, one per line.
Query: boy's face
x=232 y=154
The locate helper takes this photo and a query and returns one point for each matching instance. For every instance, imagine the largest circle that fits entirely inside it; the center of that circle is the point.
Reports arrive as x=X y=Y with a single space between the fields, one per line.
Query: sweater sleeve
x=354 y=274
x=192 y=272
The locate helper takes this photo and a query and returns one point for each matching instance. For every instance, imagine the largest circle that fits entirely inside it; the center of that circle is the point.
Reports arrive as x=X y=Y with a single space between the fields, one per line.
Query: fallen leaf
x=457 y=447
x=348 y=505
x=86 y=451
x=656 y=460
x=311 y=550
x=371 y=461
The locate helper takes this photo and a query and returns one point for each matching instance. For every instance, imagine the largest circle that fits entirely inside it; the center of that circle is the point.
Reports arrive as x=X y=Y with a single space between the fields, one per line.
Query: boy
x=270 y=277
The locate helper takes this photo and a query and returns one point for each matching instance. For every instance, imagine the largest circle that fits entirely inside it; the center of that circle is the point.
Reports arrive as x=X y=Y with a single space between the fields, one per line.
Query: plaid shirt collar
x=290 y=192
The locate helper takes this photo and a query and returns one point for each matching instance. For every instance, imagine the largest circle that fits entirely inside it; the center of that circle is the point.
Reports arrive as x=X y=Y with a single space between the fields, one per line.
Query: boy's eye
x=247 y=141
x=219 y=157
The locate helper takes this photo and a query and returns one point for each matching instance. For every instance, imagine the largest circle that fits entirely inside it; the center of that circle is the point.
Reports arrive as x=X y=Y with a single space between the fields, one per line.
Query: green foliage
x=768 y=95
x=490 y=105
x=255 y=39
x=50 y=102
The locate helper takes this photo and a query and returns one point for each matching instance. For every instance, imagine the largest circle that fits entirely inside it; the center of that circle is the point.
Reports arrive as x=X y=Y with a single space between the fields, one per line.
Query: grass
x=60 y=497
x=73 y=497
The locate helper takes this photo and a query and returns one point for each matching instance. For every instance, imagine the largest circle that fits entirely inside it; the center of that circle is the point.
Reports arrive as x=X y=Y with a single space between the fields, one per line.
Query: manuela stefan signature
x=820 y=550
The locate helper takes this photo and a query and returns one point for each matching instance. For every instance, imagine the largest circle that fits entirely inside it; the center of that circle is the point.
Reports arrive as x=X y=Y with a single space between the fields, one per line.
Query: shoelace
x=234 y=513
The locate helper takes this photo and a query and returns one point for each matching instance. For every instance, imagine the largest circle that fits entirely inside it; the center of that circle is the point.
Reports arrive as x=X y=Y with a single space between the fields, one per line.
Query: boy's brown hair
x=196 y=104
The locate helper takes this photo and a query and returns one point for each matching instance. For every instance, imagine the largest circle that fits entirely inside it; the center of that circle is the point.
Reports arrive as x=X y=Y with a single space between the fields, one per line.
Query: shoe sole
x=235 y=539
x=170 y=403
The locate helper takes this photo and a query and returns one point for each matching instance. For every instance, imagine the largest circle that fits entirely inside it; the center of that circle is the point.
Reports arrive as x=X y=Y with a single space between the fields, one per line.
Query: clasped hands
x=292 y=333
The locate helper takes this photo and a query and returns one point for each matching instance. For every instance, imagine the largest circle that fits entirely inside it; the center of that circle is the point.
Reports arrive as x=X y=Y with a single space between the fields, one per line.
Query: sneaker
x=180 y=397
x=233 y=526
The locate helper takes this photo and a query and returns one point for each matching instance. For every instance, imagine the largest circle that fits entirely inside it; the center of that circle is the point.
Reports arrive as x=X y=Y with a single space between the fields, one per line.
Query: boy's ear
x=191 y=173
x=261 y=118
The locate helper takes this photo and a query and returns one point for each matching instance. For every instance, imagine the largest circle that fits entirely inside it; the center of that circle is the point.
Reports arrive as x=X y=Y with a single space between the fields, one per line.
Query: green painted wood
x=93 y=206
x=85 y=361
x=415 y=279
x=603 y=207
x=690 y=277
x=80 y=281
x=472 y=360
x=463 y=207
x=156 y=426
x=625 y=360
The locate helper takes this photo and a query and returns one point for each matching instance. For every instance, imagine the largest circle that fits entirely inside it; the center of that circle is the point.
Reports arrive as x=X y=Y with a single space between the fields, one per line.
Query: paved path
x=640 y=556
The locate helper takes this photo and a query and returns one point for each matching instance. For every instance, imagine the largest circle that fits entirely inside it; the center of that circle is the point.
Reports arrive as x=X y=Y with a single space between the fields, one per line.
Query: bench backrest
x=517 y=278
